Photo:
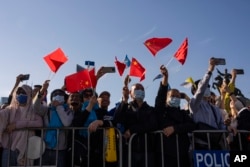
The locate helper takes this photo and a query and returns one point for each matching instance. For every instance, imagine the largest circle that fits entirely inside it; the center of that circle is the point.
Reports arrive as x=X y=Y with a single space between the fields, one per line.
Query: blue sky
x=100 y=30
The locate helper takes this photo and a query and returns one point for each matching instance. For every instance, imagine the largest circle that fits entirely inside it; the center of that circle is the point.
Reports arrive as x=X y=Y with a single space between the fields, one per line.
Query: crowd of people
x=87 y=116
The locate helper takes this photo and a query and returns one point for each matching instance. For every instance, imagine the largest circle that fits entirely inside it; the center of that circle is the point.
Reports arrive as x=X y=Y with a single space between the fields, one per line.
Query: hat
x=104 y=93
x=58 y=90
x=195 y=86
x=36 y=147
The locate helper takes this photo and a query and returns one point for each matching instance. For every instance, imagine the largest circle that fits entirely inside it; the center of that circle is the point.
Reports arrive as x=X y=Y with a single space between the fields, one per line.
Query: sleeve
x=39 y=108
x=231 y=87
x=37 y=122
x=198 y=96
x=120 y=113
x=65 y=115
x=80 y=118
x=160 y=99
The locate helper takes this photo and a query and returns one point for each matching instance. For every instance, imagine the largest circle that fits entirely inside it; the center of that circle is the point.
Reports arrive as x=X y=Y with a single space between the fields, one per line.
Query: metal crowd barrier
x=73 y=129
x=120 y=146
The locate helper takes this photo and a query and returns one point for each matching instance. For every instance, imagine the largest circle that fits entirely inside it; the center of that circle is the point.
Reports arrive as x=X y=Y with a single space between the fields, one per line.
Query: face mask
x=207 y=93
x=22 y=99
x=58 y=98
x=139 y=94
x=174 y=102
x=238 y=105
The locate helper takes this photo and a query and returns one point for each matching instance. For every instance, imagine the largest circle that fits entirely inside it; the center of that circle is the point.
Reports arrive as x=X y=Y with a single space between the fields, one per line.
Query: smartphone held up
x=25 y=77
x=108 y=69
x=239 y=71
x=220 y=61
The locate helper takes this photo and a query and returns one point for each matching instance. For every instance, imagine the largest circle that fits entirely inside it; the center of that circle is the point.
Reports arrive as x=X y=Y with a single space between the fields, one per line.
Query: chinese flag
x=92 y=77
x=78 y=81
x=137 y=70
x=156 y=44
x=120 y=66
x=55 y=59
x=181 y=53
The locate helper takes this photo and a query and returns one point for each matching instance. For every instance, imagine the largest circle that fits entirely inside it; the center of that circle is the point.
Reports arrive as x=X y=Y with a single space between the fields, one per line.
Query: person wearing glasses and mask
x=138 y=118
x=173 y=121
x=18 y=115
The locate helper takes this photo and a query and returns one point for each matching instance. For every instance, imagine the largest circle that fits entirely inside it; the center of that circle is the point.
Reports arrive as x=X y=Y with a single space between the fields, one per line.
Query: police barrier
x=208 y=157
x=233 y=151
x=111 y=149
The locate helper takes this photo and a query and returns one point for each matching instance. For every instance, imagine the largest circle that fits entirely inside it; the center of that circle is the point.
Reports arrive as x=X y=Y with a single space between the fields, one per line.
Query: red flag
x=181 y=53
x=137 y=70
x=78 y=81
x=120 y=66
x=92 y=77
x=55 y=59
x=156 y=44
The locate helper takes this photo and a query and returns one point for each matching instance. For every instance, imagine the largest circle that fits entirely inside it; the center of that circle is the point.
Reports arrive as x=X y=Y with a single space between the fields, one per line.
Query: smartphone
x=25 y=77
x=108 y=69
x=239 y=71
x=220 y=61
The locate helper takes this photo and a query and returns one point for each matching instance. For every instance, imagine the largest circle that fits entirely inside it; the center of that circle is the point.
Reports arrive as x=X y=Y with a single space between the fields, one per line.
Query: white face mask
x=58 y=98
x=139 y=94
x=207 y=92
x=174 y=102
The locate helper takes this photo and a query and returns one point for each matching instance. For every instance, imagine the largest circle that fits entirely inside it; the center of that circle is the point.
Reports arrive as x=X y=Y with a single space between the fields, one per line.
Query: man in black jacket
x=138 y=118
x=175 y=123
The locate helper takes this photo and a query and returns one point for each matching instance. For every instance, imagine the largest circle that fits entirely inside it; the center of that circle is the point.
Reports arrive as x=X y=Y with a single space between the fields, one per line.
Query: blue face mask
x=139 y=94
x=22 y=99
x=174 y=102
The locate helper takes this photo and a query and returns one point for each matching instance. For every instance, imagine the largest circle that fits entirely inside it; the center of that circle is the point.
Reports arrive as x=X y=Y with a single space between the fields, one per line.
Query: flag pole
x=49 y=75
x=170 y=61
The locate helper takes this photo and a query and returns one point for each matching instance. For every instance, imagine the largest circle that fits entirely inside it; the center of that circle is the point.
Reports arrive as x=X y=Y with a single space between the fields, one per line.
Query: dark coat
x=138 y=120
x=179 y=119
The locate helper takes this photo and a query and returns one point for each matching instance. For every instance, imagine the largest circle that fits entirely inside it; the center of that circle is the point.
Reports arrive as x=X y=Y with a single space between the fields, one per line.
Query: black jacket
x=179 y=119
x=138 y=120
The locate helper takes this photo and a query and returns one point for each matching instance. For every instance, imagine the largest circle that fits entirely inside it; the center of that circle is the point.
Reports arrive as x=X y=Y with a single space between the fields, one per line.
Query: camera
x=108 y=69
x=239 y=71
x=220 y=61
x=25 y=77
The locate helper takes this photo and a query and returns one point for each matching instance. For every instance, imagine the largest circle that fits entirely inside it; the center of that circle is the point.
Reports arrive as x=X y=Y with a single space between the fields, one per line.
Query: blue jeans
x=49 y=158
x=12 y=158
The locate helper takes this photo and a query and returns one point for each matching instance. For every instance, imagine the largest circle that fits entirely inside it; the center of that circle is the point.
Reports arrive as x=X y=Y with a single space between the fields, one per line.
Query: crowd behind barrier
x=79 y=129
x=37 y=148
